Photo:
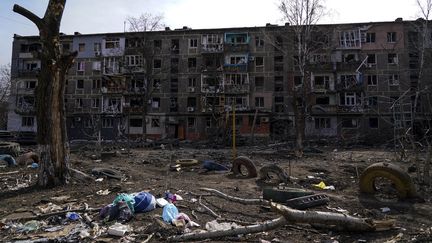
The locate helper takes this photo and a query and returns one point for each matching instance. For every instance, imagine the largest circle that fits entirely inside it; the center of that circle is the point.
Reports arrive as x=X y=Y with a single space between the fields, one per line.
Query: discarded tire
x=401 y=179
x=10 y=148
x=187 y=162
x=243 y=161
x=110 y=173
x=282 y=194
x=266 y=171
x=308 y=201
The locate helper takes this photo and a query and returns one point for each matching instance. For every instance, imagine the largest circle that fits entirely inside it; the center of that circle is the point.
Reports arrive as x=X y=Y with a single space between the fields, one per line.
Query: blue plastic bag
x=169 y=213
x=144 y=202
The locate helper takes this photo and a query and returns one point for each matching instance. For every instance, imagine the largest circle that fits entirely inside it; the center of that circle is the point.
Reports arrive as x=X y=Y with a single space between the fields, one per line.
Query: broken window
x=191 y=102
x=157 y=44
x=157 y=63
x=193 y=43
x=321 y=82
x=155 y=102
x=373 y=122
x=174 y=65
x=107 y=122
x=111 y=65
x=81 y=47
x=112 y=43
x=373 y=101
x=79 y=103
x=350 y=39
x=278 y=84
x=392 y=58
x=174 y=85
x=191 y=122
x=236 y=59
x=370 y=37
x=349 y=57
x=371 y=59
x=322 y=122
x=96 y=84
x=135 y=122
x=259 y=102
x=80 y=84
x=349 y=123
x=175 y=46
x=97 y=47
x=191 y=82
x=192 y=62
x=325 y=100
x=372 y=80
x=30 y=84
x=173 y=104
x=259 y=41
x=156 y=84
x=391 y=37
x=27 y=121
x=133 y=60
x=298 y=81
x=259 y=61
x=236 y=78
x=81 y=66
x=393 y=79
x=95 y=103
x=279 y=104
x=97 y=65
x=155 y=122
x=259 y=83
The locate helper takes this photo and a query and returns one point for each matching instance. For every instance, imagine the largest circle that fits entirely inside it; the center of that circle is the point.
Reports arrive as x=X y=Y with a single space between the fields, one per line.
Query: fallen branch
x=80 y=176
x=342 y=221
x=208 y=209
x=46 y=215
x=269 y=225
x=9 y=173
x=262 y=202
x=315 y=217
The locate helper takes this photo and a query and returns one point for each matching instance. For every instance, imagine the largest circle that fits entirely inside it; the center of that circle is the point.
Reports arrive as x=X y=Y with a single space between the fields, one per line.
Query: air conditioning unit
x=264 y=119
x=77 y=119
x=190 y=109
x=191 y=89
x=97 y=53
x=251 y=59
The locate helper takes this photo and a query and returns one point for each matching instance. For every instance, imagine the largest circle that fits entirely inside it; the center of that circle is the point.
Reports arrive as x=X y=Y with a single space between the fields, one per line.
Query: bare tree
x=51 y=126
x=302 y=15
x=418 y=134
x=140 y=40
x=5 y=86
x=145 y=22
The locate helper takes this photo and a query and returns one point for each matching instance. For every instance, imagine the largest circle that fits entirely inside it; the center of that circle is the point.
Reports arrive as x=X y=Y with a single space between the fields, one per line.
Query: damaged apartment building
x=189 y=84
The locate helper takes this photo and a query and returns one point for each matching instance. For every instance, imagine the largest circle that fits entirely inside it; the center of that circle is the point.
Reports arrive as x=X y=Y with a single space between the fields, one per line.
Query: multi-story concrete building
x=185 y=83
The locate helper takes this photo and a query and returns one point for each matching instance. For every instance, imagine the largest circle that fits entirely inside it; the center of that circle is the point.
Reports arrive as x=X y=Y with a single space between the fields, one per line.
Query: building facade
x=189 y=84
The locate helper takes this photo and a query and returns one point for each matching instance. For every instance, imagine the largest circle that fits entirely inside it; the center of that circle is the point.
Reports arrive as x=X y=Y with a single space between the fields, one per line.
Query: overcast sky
x=98 y=16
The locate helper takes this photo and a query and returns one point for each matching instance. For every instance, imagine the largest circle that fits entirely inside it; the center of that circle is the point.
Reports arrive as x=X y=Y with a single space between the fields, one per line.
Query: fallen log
x=342 y=221
x=256 y=228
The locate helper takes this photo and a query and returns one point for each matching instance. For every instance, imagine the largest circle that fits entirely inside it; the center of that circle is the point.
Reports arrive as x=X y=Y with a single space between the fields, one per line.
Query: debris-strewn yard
x=71 y=213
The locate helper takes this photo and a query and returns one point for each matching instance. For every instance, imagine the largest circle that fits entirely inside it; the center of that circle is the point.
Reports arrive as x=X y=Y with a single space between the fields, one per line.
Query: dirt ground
x=149 y=170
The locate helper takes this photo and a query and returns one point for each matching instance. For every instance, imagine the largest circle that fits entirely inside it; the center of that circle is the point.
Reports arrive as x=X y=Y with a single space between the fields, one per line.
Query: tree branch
x=29 y=15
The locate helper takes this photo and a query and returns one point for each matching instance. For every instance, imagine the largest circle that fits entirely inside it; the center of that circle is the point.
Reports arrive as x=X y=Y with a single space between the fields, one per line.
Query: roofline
x=188 y=30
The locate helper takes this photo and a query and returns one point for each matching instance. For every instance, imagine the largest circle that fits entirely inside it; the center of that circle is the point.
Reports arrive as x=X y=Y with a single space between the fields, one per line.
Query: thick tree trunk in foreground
x=51 y=126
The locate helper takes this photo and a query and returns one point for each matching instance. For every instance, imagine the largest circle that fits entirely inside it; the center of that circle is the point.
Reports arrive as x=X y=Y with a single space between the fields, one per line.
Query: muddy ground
x=149 y=170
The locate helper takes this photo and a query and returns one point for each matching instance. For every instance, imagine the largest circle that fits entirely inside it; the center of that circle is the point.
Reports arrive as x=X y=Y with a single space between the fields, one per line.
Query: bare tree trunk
x=427 y=165
x=51 y=126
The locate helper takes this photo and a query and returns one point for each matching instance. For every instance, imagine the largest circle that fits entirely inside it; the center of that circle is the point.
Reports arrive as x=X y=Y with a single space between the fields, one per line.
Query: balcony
x=212 y=89
x=324 y=109
x=241 y=67
x=28 y=72
x=236 y=42
x=236 y=88
x=26 y=55
x=354 y=109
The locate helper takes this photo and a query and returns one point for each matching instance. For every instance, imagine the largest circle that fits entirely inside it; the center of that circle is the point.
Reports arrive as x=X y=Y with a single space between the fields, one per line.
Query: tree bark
x=51 y=125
